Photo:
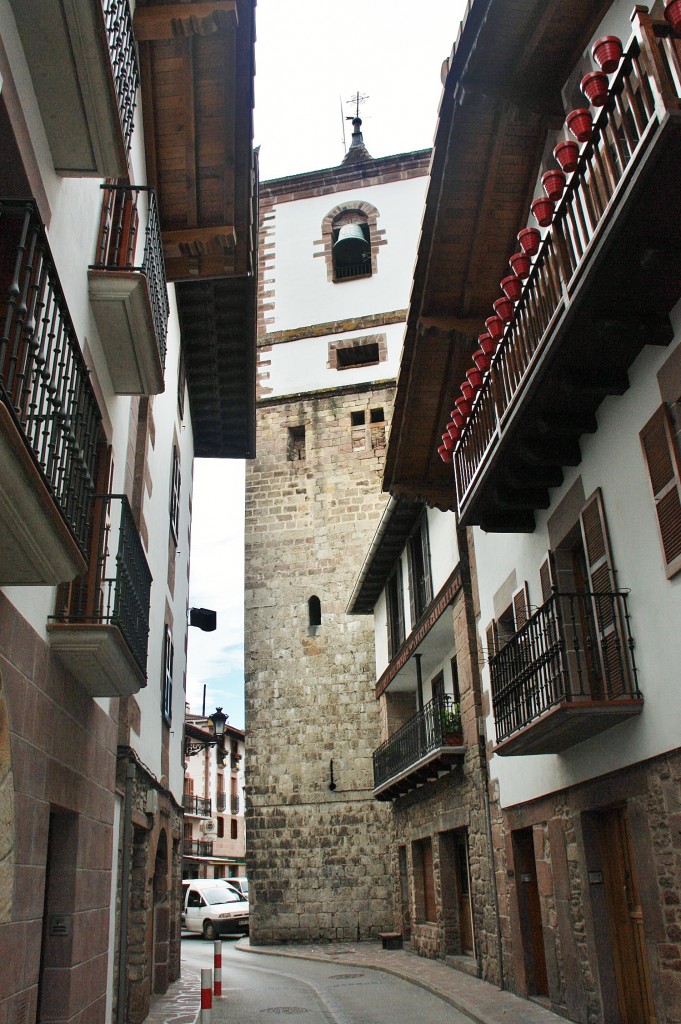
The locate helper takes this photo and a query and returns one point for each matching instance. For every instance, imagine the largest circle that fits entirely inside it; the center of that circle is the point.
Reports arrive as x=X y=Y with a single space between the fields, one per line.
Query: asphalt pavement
x=344 y=983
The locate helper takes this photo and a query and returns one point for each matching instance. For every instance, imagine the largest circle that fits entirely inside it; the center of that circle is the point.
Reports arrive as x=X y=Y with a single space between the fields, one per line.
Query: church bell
x=351 y=245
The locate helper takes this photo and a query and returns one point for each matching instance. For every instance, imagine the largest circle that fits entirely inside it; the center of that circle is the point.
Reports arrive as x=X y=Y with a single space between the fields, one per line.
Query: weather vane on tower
x=355 y=118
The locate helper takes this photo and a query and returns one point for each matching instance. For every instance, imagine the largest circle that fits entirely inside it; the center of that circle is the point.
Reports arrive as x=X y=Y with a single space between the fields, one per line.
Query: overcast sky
x=312 y=57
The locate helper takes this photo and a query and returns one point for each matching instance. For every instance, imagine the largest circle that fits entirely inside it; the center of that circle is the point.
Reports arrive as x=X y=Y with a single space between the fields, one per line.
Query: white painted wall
x=299 y=277
x=303 y=365
x=612 y=459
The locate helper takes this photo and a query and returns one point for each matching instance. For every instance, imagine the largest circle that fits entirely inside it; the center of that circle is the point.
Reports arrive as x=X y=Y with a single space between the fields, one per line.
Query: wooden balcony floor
x=568 y=724
x=427 y=769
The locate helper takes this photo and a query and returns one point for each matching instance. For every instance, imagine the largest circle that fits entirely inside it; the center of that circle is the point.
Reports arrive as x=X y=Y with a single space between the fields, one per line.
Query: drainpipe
x=125 y=894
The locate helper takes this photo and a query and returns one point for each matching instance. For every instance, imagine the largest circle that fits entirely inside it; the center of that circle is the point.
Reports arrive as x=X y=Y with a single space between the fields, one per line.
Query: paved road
x=257 y=988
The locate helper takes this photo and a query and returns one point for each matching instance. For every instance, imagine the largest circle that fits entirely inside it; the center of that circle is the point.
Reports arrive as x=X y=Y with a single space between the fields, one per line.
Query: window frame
x=175 y=494
x=167 y=680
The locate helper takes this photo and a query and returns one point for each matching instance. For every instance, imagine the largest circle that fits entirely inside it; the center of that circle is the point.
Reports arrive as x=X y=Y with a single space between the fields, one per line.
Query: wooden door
x=463 y=890
x=625 y=919
x=529 y=910
x=404 y=894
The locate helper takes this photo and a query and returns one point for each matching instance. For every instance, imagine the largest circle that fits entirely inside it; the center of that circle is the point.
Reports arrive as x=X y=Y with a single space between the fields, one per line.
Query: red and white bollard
x=206 y=995
x=217 y=968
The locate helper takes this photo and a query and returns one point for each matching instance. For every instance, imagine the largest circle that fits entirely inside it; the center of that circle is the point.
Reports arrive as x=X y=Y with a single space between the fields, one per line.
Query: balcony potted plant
x=495 y=329
x=444 y=454
x=542 y=208
x=530 y=240
x=672 y=13
x=553 y=182
x=595 y=87
x=450 y=723
x=567 y=155
x=607 y=53
x=580 y=123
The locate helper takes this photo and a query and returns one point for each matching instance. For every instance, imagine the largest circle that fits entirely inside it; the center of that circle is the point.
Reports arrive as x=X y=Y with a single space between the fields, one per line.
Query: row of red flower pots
x=607 y=53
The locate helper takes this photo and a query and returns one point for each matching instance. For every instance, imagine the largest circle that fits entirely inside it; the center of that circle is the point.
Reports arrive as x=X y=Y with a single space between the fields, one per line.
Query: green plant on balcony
x=450 y=721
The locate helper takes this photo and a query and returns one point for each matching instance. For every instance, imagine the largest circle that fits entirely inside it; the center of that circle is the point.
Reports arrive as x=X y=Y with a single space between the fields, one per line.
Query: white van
x=211 y=906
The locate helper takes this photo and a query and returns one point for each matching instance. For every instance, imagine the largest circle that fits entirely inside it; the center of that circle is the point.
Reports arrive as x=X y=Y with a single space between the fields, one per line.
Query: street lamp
x=198 y=742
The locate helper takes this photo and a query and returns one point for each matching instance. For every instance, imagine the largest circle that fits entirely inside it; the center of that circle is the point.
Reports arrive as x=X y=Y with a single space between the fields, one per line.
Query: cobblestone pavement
x=482 y=1002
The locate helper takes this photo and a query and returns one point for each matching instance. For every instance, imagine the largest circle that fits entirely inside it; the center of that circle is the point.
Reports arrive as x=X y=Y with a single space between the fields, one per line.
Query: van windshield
x=222 y=894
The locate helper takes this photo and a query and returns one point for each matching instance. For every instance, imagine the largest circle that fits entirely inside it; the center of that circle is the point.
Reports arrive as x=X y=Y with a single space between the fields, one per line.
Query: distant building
x=335 y=256
x=214 y=840
x=127 y=348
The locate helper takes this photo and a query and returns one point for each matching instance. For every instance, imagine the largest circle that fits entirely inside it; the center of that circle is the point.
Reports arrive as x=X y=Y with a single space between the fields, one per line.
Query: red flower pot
x=482 y=360
x=447 y=442
x=672 y=13
x=512 y=287
x=458 y=418
x=468 y=391
x=464 y=407
x=595 y=87
x=607 y=53
x=475 y=377
x=554 y=185
x=487 y=343
x=520 y=264
x=495 y=327
x=503 y=307
x=543 y=211
x=567 y=155
x=444 y=454
x=530 y=240
x=580 y=122
x=453 y=431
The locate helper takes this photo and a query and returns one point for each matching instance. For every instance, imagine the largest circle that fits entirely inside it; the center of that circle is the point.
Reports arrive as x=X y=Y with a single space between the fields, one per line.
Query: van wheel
x=209 y=931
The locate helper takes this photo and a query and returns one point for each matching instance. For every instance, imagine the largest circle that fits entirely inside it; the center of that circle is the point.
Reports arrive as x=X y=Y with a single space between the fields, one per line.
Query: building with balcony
x=110 y=384
x=430 y=765
x=556 y=396
x=214 y=839
x=335 y=255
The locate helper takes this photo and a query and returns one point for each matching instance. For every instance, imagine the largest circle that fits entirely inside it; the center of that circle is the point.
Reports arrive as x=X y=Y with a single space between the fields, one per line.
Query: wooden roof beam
x=172 y=21
x=200 y=241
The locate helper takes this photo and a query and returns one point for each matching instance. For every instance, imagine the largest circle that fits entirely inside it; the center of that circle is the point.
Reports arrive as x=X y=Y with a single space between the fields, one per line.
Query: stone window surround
x=368 y=215
x=367 y=339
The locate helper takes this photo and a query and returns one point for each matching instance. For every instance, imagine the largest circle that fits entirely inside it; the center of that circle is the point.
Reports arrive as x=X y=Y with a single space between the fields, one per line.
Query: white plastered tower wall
x=317 y=842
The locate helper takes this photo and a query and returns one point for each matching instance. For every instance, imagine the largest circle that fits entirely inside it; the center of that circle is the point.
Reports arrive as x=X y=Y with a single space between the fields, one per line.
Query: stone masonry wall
x=317 y=857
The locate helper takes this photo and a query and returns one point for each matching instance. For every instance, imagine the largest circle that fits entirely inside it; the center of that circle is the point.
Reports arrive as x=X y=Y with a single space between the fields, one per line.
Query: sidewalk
x=482 y=1002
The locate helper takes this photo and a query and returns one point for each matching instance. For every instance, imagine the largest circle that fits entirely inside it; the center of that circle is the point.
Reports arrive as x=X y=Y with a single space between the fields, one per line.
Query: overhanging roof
x=501 y=95
x=397 y=522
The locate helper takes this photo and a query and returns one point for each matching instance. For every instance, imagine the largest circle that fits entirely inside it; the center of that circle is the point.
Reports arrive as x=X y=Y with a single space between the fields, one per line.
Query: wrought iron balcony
x=234 y=805
x=84 y=69
x=128 y=290
x=198 y=848
x=603 y=283
x=100 y=628
x=427 y=746
x=198 y=805
x=567 y=675
x=49 y=417
x=221 y=802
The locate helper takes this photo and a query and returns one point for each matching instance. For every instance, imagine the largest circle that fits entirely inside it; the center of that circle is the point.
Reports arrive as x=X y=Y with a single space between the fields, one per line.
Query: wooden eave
x=197 y=69
x=500 y=97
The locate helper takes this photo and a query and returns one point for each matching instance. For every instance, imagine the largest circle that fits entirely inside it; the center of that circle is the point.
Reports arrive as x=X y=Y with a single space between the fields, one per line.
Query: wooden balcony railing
x=198 y=848
x=576 y=651
x=643 y=94
x=201 y=806
x=44 y=382
x=117 y=589
x=436 y=726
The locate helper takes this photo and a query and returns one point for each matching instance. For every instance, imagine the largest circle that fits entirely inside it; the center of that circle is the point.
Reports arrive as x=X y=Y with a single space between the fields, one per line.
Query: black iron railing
x=221 y=802
x=234 y=805
x=117 y=590
x=197 y=848
x=121 y=246
x=575 y=647
x=198 y=805
x=436 y=725
x=43 y=378
x=362 y=269
x=124 y=64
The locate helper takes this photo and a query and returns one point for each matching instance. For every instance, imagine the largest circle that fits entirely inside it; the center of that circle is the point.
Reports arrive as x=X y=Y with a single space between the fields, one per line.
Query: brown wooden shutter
x=425 y=546
x=429 y=881
x=663 y=468
x=412 y=583
x=609 y=626
x=547 y=576
x=491 y=633
x=521 y=606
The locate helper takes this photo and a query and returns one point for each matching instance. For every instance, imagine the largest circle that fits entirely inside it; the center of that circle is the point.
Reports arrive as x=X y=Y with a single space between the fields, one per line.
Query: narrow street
x=256 y=987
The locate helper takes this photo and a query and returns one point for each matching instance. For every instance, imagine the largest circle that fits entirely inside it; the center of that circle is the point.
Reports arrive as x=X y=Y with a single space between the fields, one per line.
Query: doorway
x=624 y=917
x=404 y=894
x=456 y=894
x=529 y=911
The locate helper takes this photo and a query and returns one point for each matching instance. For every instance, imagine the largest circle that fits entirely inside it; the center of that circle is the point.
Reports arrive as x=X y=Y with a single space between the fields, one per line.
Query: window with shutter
x=395 y=610
x=418 y=564
x=521 y=606
x=547 y=576
x=662 y=460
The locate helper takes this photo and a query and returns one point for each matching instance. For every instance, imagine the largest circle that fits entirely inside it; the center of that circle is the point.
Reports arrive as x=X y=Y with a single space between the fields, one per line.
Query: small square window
x=377 y=416
x=357 y=419
x=359 y=355
x=295 y=451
